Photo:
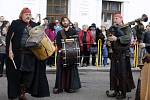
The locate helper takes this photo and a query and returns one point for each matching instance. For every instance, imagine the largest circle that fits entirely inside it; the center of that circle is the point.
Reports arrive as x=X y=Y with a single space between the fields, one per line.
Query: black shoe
x=13 y=99
x=23 y=97
x=70 y=90
x=1 y=75
x=93 y=65
x=84 y=65
x=120 y=97
x=57 y=91
x=113 y=94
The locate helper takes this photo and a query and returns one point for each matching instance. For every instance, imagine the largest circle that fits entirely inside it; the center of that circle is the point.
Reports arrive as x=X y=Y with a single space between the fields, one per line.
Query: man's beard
x=65 y=25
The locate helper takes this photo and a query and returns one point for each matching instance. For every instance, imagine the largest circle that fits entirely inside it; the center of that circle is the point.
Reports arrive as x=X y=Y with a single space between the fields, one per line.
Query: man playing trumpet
x=121 y=80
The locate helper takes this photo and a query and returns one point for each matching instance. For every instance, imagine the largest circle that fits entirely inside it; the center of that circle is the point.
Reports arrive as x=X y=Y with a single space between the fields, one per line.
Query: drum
x=70 y=52
x=45 y=48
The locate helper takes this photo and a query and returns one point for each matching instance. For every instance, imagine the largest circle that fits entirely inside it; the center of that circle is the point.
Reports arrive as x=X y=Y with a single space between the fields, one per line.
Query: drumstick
x=14 y=64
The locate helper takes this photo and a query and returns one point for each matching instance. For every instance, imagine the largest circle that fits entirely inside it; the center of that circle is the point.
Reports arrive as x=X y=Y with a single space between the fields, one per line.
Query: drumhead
x=37 y=31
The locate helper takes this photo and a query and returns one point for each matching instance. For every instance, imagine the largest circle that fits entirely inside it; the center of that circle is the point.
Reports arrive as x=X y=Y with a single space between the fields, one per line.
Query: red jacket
x=89 y=38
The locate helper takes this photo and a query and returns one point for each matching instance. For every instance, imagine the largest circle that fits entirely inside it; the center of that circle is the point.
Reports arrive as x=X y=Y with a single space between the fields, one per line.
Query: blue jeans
x=105 y=56
x=132 y=56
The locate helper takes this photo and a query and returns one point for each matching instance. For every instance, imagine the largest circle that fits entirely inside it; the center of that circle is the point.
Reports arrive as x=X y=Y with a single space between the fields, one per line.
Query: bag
x=93 y=49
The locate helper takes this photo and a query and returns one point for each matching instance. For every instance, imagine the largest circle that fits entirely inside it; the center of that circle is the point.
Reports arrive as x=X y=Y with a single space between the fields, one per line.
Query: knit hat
x=118 y=15
x=93 y=25
x=24 y=10
x=46 y=18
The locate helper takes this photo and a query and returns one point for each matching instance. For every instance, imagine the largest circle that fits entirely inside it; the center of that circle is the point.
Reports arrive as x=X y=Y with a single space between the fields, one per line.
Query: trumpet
x=139 y=30
x=144 y=18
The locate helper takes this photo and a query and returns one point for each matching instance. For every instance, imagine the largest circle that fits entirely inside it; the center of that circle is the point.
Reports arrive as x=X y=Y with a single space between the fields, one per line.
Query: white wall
x=82 y=11
x=134 y=9
x=85 y=11
x=37 y=7
x=10 y=9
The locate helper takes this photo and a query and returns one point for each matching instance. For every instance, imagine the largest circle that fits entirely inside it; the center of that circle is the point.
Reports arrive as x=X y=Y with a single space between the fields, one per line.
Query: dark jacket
x=29 y=68
x=147 y=41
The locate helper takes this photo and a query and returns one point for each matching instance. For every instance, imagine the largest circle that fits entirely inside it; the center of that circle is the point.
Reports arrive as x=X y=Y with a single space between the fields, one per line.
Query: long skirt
x=33 y=76
x=145 y=82
x=67 y=77
x=121 y=78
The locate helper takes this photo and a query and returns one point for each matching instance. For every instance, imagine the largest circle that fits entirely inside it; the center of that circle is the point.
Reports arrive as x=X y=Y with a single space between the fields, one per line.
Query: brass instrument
x=139 y=28
x=144 y=18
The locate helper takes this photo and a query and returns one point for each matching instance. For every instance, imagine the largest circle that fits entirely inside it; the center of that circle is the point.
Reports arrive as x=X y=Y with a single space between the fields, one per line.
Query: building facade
x=81 y=11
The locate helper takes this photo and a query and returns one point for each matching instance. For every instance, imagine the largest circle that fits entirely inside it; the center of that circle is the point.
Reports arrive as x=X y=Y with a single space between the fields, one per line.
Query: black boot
x=13 y=99
x=70 y=90
x=121 y=96
x=112 y=93
x=22 y=95
x=57 y=91
x=1 y=75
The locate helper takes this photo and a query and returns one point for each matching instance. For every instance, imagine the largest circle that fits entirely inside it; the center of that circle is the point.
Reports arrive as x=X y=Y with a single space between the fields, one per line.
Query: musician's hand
x=112 y=38
x=142 y=45
x=11 y=55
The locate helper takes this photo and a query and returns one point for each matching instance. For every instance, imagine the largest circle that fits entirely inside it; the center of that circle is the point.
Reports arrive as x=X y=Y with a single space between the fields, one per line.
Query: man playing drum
x=25 y=73
x=67 y=77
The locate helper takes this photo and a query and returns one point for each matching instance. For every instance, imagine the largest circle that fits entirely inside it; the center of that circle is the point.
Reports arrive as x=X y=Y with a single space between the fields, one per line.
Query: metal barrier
x=136 y=54
x=99 y=54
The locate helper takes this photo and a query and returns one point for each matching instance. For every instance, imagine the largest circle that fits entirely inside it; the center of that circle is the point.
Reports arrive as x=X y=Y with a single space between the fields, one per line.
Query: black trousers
x=2 y=62
x=86 y=57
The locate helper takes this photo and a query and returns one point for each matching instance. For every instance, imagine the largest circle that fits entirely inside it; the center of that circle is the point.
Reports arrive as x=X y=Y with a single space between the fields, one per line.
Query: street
x=94 y=85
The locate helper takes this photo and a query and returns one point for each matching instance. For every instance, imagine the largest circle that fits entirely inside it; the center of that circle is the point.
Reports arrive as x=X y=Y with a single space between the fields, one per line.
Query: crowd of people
x=88 y=40
x=27 y=74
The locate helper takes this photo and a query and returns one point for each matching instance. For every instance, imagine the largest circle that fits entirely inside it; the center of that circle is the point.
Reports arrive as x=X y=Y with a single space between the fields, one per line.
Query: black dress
x=121 y=78
x=30 y=71
x=66 y=77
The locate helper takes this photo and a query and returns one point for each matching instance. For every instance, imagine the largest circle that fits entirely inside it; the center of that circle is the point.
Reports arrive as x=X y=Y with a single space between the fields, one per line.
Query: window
x=108 y=9
x=111 y=6
x=56 y=9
